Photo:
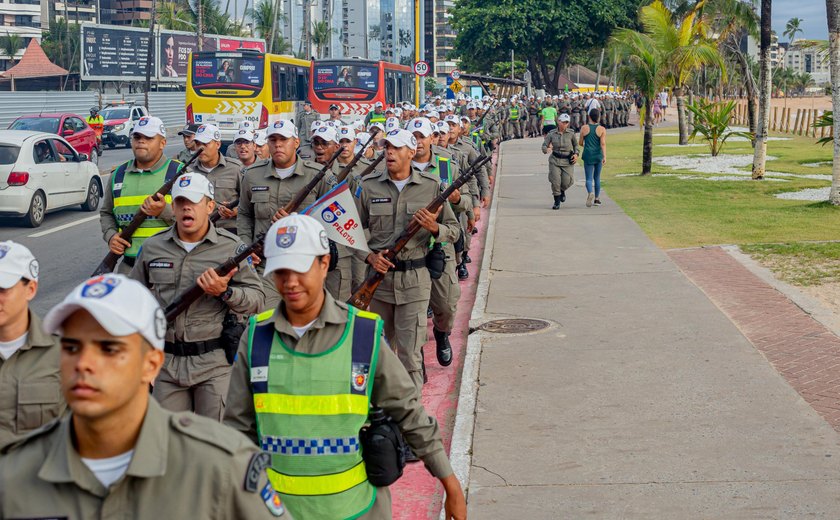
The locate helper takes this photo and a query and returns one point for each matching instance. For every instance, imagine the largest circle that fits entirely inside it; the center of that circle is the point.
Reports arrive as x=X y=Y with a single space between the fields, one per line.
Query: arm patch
x=259 y=461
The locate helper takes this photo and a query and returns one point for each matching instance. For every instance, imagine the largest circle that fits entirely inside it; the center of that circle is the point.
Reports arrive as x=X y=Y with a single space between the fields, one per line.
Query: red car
x=71 y=127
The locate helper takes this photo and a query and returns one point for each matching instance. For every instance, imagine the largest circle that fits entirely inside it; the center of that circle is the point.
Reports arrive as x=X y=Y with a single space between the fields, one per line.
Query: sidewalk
x=643 y=400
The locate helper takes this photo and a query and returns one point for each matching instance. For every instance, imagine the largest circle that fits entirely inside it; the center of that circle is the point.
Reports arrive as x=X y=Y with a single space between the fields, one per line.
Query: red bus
x=355 y=85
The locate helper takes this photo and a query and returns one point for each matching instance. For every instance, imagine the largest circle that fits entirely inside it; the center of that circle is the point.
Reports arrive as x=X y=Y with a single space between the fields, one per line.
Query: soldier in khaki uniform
x=196 y=373
x=29 y=386
x=188 y=134
x=564 y=153
x=118 y=454
x=305 y=120
x=246 y=150
x=269 y=185
x=314 y=328
x=389 y=201
x=224 y=173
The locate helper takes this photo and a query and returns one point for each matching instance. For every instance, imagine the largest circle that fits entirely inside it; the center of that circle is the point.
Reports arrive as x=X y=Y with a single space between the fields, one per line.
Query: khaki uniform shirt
x=225 y=176
x=184 y=466
x=184 y=155
x=482 y=177
x=168 y=270
x=561 y=142
x=304 y=124
x=465 y=204
x=263 y=193
x=386 y=212
x=393 y=389
x=108 y=222
x=30 y=393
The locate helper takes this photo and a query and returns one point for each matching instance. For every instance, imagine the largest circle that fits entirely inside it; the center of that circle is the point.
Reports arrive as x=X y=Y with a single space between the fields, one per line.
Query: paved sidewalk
x=643 y=400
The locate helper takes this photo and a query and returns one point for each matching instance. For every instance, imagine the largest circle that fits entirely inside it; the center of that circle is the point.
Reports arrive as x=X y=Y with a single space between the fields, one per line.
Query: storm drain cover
x=514 y=326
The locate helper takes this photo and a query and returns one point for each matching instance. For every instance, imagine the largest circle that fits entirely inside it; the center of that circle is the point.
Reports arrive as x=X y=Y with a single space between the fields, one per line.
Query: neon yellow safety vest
x=514 y=113
x=377 y=118
x=310 y=425
x=130 y=191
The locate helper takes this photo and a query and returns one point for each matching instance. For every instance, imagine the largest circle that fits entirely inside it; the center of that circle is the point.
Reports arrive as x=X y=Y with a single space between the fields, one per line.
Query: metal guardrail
x=169 y=106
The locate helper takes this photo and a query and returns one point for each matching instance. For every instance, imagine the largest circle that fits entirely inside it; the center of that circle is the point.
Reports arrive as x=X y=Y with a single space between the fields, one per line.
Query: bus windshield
x=228 y=70
x=340 y=76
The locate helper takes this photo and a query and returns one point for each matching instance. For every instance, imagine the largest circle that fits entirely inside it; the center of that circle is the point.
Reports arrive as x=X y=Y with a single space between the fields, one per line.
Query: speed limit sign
x=421 y=68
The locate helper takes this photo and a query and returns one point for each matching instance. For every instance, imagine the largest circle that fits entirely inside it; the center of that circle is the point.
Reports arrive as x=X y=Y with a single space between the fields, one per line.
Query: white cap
x=244 y=134
x=378 y=104
x=398 y=111
x=318 y=123
x=433 y=113
x=246 y=125
x=400 y=138
x=207 y=133
x=389 y=109
x=293 y=242
x=260 y=138
x=327 y=133
x=16 y=262
x=380 y=126
x=282 y=127
x=193 y=187
x=346 y=132
x=564 y=118
x=392 y=123
x=362 y=137
x=122 y=306
x=150 y=126
x=442 y=127
x=422 y=125
x=453 y=119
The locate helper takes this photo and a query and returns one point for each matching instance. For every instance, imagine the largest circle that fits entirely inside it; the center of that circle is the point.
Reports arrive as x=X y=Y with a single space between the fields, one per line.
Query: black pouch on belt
x=333 y=256
x=459 y=244
x=232 y=330
x=383 y=449
x=436 y=261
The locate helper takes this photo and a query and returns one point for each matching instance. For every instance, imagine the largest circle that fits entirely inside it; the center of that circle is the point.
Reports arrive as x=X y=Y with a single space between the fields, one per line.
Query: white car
x=41 y=172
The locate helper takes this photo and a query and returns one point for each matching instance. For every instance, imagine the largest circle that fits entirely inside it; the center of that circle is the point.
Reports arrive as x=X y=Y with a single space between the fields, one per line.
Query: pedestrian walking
x=548 y=117
x=593 y=139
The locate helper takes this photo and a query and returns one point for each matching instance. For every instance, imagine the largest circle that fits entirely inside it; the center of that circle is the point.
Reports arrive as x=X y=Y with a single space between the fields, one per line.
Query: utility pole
x=149 y=53
x=199 y=29
x=511 y=64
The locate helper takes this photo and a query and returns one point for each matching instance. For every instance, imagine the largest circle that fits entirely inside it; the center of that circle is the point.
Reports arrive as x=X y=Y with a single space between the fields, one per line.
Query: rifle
x=108 y=264
x=347 y=169
x=364 y=293
x=188 y=297
x=215 y=216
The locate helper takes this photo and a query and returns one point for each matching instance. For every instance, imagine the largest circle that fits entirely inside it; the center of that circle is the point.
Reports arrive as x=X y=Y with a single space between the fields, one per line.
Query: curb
x=460 y=451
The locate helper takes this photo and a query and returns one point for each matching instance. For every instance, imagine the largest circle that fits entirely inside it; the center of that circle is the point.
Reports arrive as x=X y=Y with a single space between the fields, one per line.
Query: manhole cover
x=514 y=326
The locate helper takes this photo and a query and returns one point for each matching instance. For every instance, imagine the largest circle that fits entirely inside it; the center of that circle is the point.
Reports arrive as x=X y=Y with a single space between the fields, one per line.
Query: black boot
x=463 y=274
x=467 y=259
x=444 y=348
x=556 y=202
x=423 y=364
x=563 y=196
x=429 y=312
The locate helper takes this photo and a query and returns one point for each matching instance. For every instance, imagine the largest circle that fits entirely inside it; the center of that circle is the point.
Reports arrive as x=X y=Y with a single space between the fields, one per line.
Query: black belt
x=562 y=155
x=405 y=265
x=192 y=348
x=129 y=260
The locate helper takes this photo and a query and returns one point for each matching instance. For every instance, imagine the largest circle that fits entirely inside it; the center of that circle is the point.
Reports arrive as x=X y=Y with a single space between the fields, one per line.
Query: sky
x=812 y=13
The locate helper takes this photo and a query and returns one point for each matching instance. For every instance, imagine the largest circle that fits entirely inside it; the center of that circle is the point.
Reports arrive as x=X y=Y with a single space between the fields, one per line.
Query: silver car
x=41 y=172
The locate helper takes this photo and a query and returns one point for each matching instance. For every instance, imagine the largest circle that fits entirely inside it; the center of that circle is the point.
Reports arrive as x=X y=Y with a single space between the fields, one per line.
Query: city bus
x=226 y=88
x=355 y=84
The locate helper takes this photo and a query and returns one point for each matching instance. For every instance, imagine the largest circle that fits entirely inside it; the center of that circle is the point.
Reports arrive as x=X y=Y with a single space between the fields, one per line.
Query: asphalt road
x=69 y=243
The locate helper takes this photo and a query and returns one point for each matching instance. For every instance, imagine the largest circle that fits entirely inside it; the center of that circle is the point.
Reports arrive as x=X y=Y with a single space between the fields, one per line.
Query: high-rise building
x=23 y=18
x=804 y=56
x=74 y=11
x=124 y=12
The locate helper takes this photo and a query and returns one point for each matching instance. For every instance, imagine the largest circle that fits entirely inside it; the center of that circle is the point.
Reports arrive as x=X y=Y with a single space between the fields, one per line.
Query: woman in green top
x=593 y=139
x=548 y=117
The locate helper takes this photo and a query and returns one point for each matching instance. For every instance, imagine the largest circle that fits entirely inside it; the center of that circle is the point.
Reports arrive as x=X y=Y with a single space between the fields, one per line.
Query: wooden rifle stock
x=110 y=261
x=215 y=216
x=364 y=294
x=188 y=297
x=347 y=169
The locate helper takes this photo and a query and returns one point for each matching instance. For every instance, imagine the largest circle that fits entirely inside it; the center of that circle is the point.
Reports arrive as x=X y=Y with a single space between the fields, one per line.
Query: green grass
x=800 y=263
x=687 y=213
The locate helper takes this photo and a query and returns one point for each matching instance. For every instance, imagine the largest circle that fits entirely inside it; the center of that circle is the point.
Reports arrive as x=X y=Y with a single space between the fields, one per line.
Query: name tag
x=259 y=188
x=380 y=200
x=161 y=265
x=259 y=374
x=118 y=186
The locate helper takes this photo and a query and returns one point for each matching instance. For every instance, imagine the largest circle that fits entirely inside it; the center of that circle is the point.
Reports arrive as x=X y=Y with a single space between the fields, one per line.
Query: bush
x=711 y=120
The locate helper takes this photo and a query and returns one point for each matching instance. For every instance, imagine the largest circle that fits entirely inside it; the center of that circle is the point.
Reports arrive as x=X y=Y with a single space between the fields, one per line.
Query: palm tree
x=792 y=28
x=262 y=15
x=765 y=86
x=646 y=69
x=685 y=47
x=832 y=9
x=175 y=16
x=321 y=36
x=11 y=44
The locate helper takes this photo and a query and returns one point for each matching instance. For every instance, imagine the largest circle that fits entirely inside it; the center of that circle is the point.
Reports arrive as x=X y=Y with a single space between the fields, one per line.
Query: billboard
x=116 y=53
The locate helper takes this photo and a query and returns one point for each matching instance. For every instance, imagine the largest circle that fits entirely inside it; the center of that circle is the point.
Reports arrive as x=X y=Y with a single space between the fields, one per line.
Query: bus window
x=390 y=84
x=291 y=85
x=228 y=72
x=302 y=83
x=279 y=90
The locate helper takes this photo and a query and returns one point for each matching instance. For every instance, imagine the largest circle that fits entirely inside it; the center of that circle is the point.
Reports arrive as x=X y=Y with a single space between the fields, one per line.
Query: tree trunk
x=558 y=65
x=682 y=122
x=752 y=115
x=832 y=8
x=600 y=64
x=544 y=71
x=647 y=144
x=765 y=87
x=690 y=115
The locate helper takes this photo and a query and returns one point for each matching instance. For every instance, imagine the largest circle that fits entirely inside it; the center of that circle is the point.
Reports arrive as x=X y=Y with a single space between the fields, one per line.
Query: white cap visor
x=102 y=312
x=299 y=263
x=8 y=280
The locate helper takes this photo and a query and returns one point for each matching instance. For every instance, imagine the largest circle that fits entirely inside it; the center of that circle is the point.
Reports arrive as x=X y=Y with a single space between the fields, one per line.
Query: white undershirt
x=8 y=348
x=204 y=168
x=111 y=469
x=400 y=184
x=421 y=165
x=285 y=173
x=300 y=331
x=188 y=246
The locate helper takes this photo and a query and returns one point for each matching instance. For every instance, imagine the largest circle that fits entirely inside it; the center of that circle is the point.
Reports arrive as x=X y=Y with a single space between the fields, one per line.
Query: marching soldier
x=132 y=185
x=312 y=333
x=564 y=153
x=29 y=385
x=196 y=373
x=246 y=150
x=335 y=115
x=118 y=453
x=261 y=145
x=223 y=172
x=243 y=125
x=188 y=135
x=305 y=120
x=388 y=202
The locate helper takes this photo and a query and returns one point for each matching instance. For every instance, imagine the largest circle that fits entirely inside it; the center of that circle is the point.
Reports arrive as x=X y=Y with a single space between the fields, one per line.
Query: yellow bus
x=226 y=88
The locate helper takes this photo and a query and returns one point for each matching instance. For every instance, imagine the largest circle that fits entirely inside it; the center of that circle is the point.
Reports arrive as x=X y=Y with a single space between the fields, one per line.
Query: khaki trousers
x=560 y=175
x=340 y=280
x=194 y=384
x=445 y=294
x=405 y=331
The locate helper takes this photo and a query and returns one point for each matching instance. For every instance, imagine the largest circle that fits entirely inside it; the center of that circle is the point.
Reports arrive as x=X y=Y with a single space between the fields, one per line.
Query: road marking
x=62 y=227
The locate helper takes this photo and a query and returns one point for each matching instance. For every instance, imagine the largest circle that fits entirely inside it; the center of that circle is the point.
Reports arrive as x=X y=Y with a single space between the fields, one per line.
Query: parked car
x=41 y=172
x=120 y=119
x=71 y=127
